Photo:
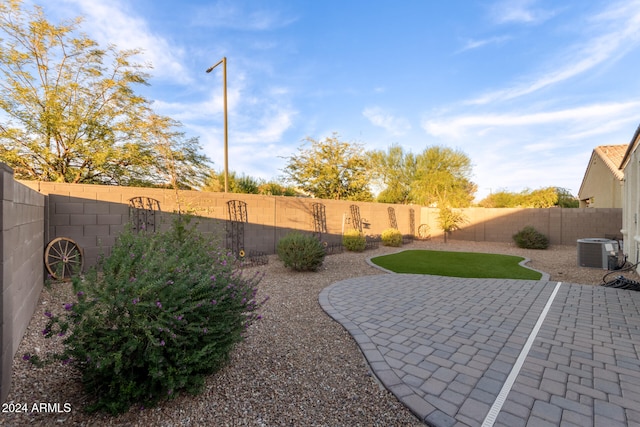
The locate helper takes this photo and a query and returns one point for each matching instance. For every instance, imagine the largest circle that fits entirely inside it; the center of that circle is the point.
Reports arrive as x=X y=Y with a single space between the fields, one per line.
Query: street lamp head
x=223 y=60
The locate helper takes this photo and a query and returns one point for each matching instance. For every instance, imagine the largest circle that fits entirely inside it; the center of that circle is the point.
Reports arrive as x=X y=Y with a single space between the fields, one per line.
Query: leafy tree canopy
x=541 y=198
x=442 y=177
x=71 y=113
x=246 y=184
x=330 y=169
x=394 y=171
x=437 y=176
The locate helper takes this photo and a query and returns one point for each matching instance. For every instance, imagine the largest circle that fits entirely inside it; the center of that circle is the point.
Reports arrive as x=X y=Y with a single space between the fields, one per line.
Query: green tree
x=330 y=169
x=450 y=220
x=215 y=182
x=246 y=184
x=500 y=199
x=541 y=198
x=73 y=114
x=442 y=178
x=566 y=199
x=393 y=170
x=273 y=188
x=180 y=161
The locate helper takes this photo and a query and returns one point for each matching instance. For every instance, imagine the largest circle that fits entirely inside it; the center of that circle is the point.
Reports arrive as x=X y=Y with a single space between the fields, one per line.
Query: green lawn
x=457 y=264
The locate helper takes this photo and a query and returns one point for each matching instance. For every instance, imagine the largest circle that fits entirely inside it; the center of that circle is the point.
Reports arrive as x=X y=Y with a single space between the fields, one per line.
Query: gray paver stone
x=505 y=419
x=553 y=387
x=474 y=409
x=534 y=421
x=516 y=409
x=433 y=386
x=413 y=359
x=576 y=418
x=445 y=374
x=599 y=420
x=418 y=406
x=547 y=411
x=571 y=405
x=489 y=385
x=482 y=396
x=609 y=387
x=607 y=410
x=440 y=419
x=442 y=405
x=453 y=397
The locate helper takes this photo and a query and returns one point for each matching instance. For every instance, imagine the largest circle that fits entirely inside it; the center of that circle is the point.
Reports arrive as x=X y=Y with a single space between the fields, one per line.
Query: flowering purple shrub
x=159 y=314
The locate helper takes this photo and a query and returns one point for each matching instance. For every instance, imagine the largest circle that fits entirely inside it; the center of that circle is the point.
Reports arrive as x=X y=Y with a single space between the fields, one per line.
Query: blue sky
x=526 y=88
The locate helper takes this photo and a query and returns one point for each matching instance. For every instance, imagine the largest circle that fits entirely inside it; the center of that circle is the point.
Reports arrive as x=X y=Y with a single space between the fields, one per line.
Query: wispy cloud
x=112 y=22
x=475 y=44
x=231 y=15
x=252 y=120
x=269 y=128
x=593 y=115
x=610 y=35
x=520 y=11
x=394 y=125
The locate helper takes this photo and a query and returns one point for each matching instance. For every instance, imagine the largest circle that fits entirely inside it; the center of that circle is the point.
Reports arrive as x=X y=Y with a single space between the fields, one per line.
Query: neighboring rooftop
x=612 y=155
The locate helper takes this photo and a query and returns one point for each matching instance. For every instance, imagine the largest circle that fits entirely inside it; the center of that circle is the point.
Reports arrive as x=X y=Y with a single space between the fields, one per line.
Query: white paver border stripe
x=506 y=388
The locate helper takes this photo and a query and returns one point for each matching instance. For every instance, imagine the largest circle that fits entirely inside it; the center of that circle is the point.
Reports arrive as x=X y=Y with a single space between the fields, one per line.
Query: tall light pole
x=223 y=61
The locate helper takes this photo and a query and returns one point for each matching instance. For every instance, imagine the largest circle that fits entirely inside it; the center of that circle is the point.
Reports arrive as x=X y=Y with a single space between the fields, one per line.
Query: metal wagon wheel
x=63 y=258
x=424 y=232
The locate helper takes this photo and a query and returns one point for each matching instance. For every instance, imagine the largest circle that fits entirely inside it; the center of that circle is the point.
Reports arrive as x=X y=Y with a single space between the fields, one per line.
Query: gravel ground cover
x=296 y=367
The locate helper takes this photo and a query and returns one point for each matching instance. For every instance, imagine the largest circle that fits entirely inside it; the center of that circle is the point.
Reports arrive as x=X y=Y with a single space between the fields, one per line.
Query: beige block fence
x=21 y=265
x=93 y=215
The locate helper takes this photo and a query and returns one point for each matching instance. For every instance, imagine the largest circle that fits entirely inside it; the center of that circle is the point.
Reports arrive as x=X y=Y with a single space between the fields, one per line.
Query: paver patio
x=472 y=352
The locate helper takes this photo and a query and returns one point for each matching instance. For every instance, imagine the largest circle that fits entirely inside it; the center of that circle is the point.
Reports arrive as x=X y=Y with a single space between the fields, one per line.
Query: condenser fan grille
x=595 y=252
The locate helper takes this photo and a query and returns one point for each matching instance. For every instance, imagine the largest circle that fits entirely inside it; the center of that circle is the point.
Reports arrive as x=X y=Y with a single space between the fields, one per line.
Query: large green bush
x=354 y=240
x=301 y=252
x=530 y=238
x=391 y=237
x=164 y=311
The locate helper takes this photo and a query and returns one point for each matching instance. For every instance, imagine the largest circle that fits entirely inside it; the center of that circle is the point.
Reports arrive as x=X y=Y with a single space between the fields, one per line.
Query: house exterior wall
x=601 y=189
x=631 y=208
x=21 y=266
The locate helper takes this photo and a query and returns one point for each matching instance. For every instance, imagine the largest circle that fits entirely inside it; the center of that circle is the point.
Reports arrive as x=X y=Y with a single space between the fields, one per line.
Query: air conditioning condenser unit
x=596 y=253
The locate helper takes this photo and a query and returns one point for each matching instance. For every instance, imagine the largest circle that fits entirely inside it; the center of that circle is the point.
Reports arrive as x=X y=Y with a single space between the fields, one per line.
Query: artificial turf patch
x=457 y=264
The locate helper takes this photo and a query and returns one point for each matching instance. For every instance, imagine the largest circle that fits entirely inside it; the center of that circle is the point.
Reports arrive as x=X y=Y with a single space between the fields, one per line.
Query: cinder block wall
x=93 y=216
x=562 y=226
x=21 y=265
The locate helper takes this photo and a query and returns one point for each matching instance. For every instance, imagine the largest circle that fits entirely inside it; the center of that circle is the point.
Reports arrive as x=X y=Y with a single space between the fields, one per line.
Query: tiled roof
x=612 y=155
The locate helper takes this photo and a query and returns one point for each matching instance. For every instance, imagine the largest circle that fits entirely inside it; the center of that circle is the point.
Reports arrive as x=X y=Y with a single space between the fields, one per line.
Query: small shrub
x=165 y=310
x=354 y=240
x=391 y=237
x=530 y=238
x=301 y=252
x=450 y=220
